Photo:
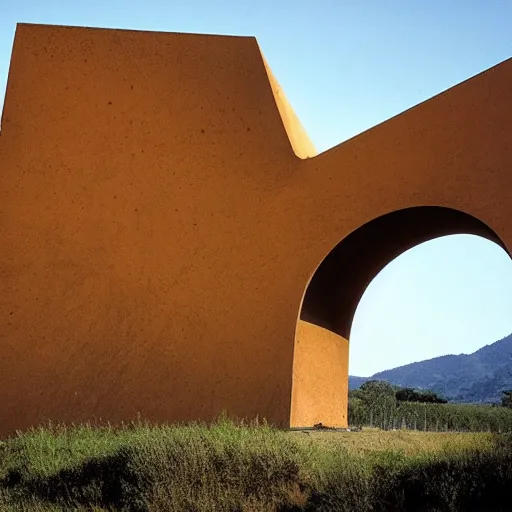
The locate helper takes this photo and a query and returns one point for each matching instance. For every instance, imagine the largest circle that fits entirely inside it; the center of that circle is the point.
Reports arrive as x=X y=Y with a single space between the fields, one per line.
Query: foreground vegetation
x=228 y=467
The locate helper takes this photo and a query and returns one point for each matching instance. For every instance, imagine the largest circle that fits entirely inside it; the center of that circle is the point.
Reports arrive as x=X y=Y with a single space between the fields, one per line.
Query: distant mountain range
x=479 y=377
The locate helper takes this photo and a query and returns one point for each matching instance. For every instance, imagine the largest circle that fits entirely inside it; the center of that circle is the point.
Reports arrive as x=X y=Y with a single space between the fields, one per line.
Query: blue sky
x=345 y=67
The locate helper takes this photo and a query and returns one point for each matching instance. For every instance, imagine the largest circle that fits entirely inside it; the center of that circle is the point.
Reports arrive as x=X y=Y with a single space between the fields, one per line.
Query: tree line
x=380 y=404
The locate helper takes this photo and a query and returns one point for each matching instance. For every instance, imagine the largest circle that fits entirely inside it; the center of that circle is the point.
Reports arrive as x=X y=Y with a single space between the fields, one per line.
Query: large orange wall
x=160 y=220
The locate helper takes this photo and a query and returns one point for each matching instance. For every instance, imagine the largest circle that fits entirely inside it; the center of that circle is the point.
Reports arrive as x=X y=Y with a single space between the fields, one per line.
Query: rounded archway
x=320 y=377
x=339 y=282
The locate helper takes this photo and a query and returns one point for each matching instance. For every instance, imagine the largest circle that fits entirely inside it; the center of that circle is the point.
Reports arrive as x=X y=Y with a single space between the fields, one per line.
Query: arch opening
x=334 y=291
x=320 y=375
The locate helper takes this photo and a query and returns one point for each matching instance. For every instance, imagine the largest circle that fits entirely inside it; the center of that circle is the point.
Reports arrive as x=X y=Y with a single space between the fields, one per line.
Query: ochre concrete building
x=171 y=244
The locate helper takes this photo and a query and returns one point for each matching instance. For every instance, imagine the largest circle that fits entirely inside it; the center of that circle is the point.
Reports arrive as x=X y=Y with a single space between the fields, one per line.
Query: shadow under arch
x=331 y=297
x=339 y=282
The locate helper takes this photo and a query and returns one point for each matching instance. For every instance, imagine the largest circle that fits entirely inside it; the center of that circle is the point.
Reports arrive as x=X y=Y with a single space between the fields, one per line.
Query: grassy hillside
x=228 y=467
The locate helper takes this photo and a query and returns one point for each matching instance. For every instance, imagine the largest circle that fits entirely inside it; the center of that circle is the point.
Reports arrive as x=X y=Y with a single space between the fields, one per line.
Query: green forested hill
x=478 y=377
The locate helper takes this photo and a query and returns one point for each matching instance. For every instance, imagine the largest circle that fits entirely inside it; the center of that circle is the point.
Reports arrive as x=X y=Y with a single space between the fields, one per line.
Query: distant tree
x=357 y=411
x=406 y=395
x=414 y=395
x=377 y=392
x=379 y=399
x=430 y=397
x=506 y=399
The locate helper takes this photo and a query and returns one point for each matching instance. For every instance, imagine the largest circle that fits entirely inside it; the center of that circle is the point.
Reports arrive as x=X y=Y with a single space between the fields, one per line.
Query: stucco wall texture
x=171 y=244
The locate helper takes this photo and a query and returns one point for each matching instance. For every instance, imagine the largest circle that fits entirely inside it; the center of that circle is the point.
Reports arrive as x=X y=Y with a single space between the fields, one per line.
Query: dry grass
x=407 y=442
x=251 y=468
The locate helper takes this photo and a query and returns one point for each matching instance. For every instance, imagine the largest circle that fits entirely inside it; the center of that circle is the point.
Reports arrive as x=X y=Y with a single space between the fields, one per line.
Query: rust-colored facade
x=171 y=245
